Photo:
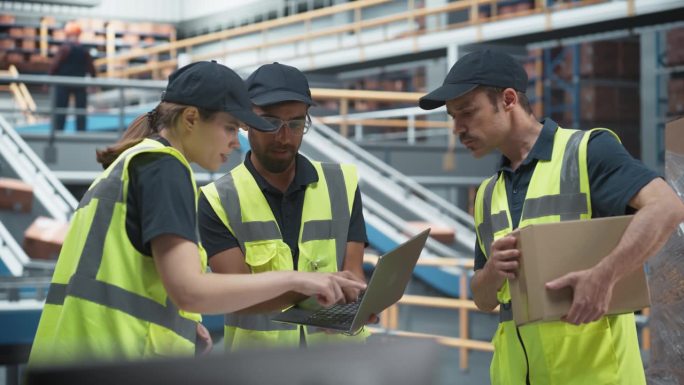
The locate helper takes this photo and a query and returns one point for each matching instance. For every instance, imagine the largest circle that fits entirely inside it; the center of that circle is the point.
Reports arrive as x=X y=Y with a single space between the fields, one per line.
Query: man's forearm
x=484 y=289
x=646 y=234
x=278 y=303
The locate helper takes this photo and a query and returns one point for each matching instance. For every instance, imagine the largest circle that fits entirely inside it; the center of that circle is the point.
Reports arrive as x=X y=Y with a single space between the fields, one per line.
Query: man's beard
x=274 y=166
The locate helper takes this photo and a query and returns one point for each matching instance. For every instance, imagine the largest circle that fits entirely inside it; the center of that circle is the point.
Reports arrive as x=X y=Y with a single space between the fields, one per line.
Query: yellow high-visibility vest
x=242 y=207
x=554 y=353
x=106 y=300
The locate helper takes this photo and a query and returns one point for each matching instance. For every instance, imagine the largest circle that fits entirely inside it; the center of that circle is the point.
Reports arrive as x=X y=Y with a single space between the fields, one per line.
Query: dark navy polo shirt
x=287 y=209
x=614 y=177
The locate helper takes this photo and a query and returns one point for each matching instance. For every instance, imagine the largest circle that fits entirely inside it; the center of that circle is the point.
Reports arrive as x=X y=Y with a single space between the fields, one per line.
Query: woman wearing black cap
x=130 y=281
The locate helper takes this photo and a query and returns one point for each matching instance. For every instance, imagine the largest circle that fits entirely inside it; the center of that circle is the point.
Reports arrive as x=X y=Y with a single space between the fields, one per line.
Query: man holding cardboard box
x=549 y=174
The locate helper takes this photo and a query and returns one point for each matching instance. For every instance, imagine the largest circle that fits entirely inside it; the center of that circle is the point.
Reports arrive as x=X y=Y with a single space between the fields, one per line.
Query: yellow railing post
x=463 y=318
x=344 y=111
x=646 y=332
x=110 y=49
x=43 y=37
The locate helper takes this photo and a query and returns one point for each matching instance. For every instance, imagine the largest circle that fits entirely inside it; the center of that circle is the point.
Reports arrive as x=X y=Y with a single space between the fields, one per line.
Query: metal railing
x=411 y=21
x=51 y=193
x=120 y=85
x=16 y=289
x=428 y=204
x=12 y=255
x=407 y=123
x=389 y=319
x=433 y=207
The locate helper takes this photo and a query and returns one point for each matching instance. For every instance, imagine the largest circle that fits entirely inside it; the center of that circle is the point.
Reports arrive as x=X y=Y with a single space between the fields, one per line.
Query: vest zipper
x=527 y=361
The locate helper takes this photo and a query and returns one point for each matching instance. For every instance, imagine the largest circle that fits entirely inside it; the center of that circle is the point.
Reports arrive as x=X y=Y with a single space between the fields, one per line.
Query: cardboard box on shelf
x=16 y=32
x=30 y=32
x=675 y=46
x=44 y=238
x=549 y=251
x=7 y=19
x=675 y=96
x=15 y=58
x=674 y=136
x=15 y=195
x=29 y=44
x=7 y=43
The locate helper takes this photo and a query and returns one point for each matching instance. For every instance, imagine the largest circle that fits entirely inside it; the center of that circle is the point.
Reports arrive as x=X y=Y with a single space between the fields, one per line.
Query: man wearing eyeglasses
x=279 y=210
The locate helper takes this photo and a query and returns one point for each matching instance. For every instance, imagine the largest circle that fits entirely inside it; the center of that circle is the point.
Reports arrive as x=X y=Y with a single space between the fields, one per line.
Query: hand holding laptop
x=386 y=286
x=311 y=304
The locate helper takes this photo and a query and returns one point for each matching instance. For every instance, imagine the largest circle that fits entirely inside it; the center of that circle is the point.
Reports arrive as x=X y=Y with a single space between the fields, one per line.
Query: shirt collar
x=542 y=149
x=161 y=140
x=305 y=174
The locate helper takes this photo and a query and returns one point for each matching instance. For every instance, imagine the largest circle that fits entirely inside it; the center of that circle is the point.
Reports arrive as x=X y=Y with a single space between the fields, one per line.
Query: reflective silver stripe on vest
x=244 y=231
x=339 y=206
x=571 y=202
x=56 y=294
x=109 y=188
x=500 y=221
x=135 y=305
x=83 y=284
x=258 y=322
x=570 y=179
x=317 y=229
x=570 y=206
x=486 y=228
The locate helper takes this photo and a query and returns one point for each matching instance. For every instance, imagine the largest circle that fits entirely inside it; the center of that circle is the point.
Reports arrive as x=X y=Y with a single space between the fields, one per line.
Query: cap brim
x=274 y=97
x=253 y=120
x=438 y=97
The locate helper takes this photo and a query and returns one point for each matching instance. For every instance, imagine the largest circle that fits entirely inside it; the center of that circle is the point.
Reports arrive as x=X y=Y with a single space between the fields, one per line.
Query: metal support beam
x=649 y=86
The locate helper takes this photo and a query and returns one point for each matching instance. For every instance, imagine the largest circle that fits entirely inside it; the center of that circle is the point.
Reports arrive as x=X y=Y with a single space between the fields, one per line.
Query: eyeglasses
x=296 y=126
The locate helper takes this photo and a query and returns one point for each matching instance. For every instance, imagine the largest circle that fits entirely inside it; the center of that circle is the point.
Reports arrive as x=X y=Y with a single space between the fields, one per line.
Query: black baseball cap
x=215 y=87
x=277 y=83
x=480 y=68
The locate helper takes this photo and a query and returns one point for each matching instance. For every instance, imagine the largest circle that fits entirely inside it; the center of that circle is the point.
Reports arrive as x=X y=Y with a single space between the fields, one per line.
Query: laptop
x=386 y=286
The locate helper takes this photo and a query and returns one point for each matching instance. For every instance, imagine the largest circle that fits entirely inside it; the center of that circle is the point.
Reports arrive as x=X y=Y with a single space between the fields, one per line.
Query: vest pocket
x=262 y=256
x=318 y=256
x=581 y=354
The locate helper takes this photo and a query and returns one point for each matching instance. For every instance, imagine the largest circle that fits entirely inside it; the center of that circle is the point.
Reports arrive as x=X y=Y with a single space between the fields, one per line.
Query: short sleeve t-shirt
x=161 y=200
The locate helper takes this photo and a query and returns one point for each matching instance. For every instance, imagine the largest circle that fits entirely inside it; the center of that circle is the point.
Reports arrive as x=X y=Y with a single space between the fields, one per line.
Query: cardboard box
x=15 y=195
x=549 y=251
x=674 y=136
x=44 y=238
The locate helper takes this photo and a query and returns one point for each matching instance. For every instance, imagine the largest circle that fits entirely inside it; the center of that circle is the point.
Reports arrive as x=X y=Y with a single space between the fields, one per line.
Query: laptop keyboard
x=341 y=314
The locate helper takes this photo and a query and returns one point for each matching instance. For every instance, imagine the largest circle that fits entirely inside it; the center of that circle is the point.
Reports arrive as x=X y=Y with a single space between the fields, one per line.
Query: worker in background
x=72 y=59
x=131 y=280
x=549 y=174
x=279 y=211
